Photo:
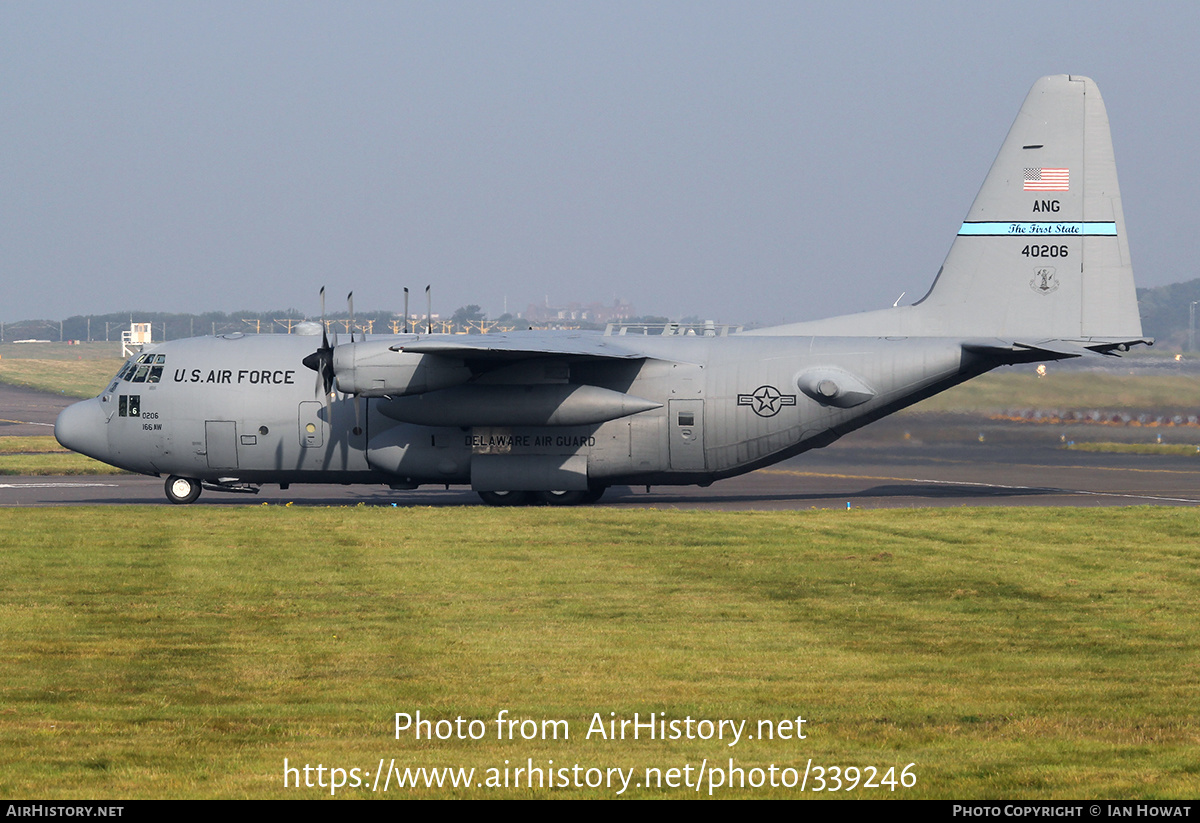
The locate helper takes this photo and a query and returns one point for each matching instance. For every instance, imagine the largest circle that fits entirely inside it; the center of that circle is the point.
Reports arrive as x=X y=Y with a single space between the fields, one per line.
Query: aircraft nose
x=83 y=427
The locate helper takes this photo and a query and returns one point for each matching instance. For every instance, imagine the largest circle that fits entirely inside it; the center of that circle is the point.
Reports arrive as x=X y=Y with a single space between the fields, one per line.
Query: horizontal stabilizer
x=1053 y=349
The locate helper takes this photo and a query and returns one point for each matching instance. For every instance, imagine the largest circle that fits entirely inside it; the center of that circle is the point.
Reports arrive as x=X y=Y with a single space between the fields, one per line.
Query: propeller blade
x=324 y=328
x=321 y=361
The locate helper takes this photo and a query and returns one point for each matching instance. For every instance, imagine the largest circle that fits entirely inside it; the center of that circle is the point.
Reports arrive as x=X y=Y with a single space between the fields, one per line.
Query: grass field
x=42 y=456
x=30 y=445
x=1007 y=389
x=1018 y=653
x=1180 y=450
x=73 y=378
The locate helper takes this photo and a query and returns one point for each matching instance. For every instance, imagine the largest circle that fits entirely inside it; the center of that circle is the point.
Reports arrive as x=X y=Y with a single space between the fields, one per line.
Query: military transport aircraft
x=1040 y=270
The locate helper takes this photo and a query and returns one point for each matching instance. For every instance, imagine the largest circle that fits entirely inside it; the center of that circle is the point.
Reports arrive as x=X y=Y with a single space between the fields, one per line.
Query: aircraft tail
x=1042 y=254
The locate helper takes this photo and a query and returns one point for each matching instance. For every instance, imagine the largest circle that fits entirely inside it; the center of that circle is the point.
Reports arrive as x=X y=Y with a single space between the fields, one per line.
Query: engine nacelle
x=373 y=369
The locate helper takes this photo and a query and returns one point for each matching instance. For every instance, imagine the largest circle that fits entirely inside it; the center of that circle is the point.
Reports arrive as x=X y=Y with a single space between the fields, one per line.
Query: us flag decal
x=1047 y=179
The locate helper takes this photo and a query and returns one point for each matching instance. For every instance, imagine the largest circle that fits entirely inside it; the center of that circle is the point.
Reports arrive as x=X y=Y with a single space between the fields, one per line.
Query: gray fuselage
x=242 y=408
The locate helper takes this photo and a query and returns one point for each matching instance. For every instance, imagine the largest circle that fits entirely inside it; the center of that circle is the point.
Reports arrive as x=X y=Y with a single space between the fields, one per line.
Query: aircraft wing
x=504 y=347
x=411 y=365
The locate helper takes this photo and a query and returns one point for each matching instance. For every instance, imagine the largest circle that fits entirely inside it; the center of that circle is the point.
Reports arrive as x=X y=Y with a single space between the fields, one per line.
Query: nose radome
x=82 y=427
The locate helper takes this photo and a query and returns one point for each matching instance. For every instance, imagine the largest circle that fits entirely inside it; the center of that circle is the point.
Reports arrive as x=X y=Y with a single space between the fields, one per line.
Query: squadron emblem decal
x=1044 y=281
x=766 y=401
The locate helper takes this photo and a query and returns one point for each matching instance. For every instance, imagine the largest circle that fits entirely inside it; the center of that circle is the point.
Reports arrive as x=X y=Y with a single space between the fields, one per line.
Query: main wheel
x=504 y=498
x=182 y=489
x=594 y=493
x=562 y=498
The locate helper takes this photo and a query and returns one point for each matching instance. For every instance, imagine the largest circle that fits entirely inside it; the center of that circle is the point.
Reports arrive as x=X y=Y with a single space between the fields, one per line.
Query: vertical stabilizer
x=1043 y=252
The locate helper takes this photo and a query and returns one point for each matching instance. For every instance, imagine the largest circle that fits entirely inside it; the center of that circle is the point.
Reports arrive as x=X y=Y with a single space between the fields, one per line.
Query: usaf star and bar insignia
x=766 y=401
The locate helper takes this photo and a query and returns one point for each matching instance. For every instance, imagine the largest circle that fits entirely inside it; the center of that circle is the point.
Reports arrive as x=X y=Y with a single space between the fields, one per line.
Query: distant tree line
x=167 y=326
x=1166 y=316
x=1167 y=312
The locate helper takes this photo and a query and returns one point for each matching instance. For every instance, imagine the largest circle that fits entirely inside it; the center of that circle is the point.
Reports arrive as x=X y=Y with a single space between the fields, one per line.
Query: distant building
x=136 y=339
x=591 y=313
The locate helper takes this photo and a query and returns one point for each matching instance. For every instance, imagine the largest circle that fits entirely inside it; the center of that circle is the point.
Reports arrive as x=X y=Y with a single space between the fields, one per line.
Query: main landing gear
x=546 y=498
x=505 y=498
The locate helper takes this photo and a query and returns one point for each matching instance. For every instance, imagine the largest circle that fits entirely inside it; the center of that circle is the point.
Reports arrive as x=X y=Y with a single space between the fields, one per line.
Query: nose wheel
x=182 y=489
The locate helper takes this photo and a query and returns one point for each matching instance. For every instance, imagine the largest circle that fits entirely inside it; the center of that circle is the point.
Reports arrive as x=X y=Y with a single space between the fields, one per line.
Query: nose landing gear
x=182 y=489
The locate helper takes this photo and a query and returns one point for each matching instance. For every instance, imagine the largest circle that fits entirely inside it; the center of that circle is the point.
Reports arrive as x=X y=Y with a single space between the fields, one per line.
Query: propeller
x=321 y=361
x=357 y=411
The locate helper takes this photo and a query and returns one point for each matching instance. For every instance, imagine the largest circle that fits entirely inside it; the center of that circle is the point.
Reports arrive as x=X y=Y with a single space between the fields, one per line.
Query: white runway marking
x=57 y=485
x=1037 y=489
x=1056 y=490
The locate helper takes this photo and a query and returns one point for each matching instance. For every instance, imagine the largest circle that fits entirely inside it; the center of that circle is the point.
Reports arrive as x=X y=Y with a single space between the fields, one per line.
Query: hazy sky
x=748 y=161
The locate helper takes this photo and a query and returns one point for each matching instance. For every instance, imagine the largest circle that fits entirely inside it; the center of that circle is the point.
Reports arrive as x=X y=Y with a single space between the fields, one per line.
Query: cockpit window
x=145 y=368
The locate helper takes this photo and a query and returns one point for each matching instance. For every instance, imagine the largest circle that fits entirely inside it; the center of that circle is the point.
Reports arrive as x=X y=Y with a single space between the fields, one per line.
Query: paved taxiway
x=900 y=462
x=870 y=475
x=25 y=412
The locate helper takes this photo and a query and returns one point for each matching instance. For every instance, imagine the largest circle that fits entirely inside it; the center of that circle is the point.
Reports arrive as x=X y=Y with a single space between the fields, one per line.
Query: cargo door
x=220 y=443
